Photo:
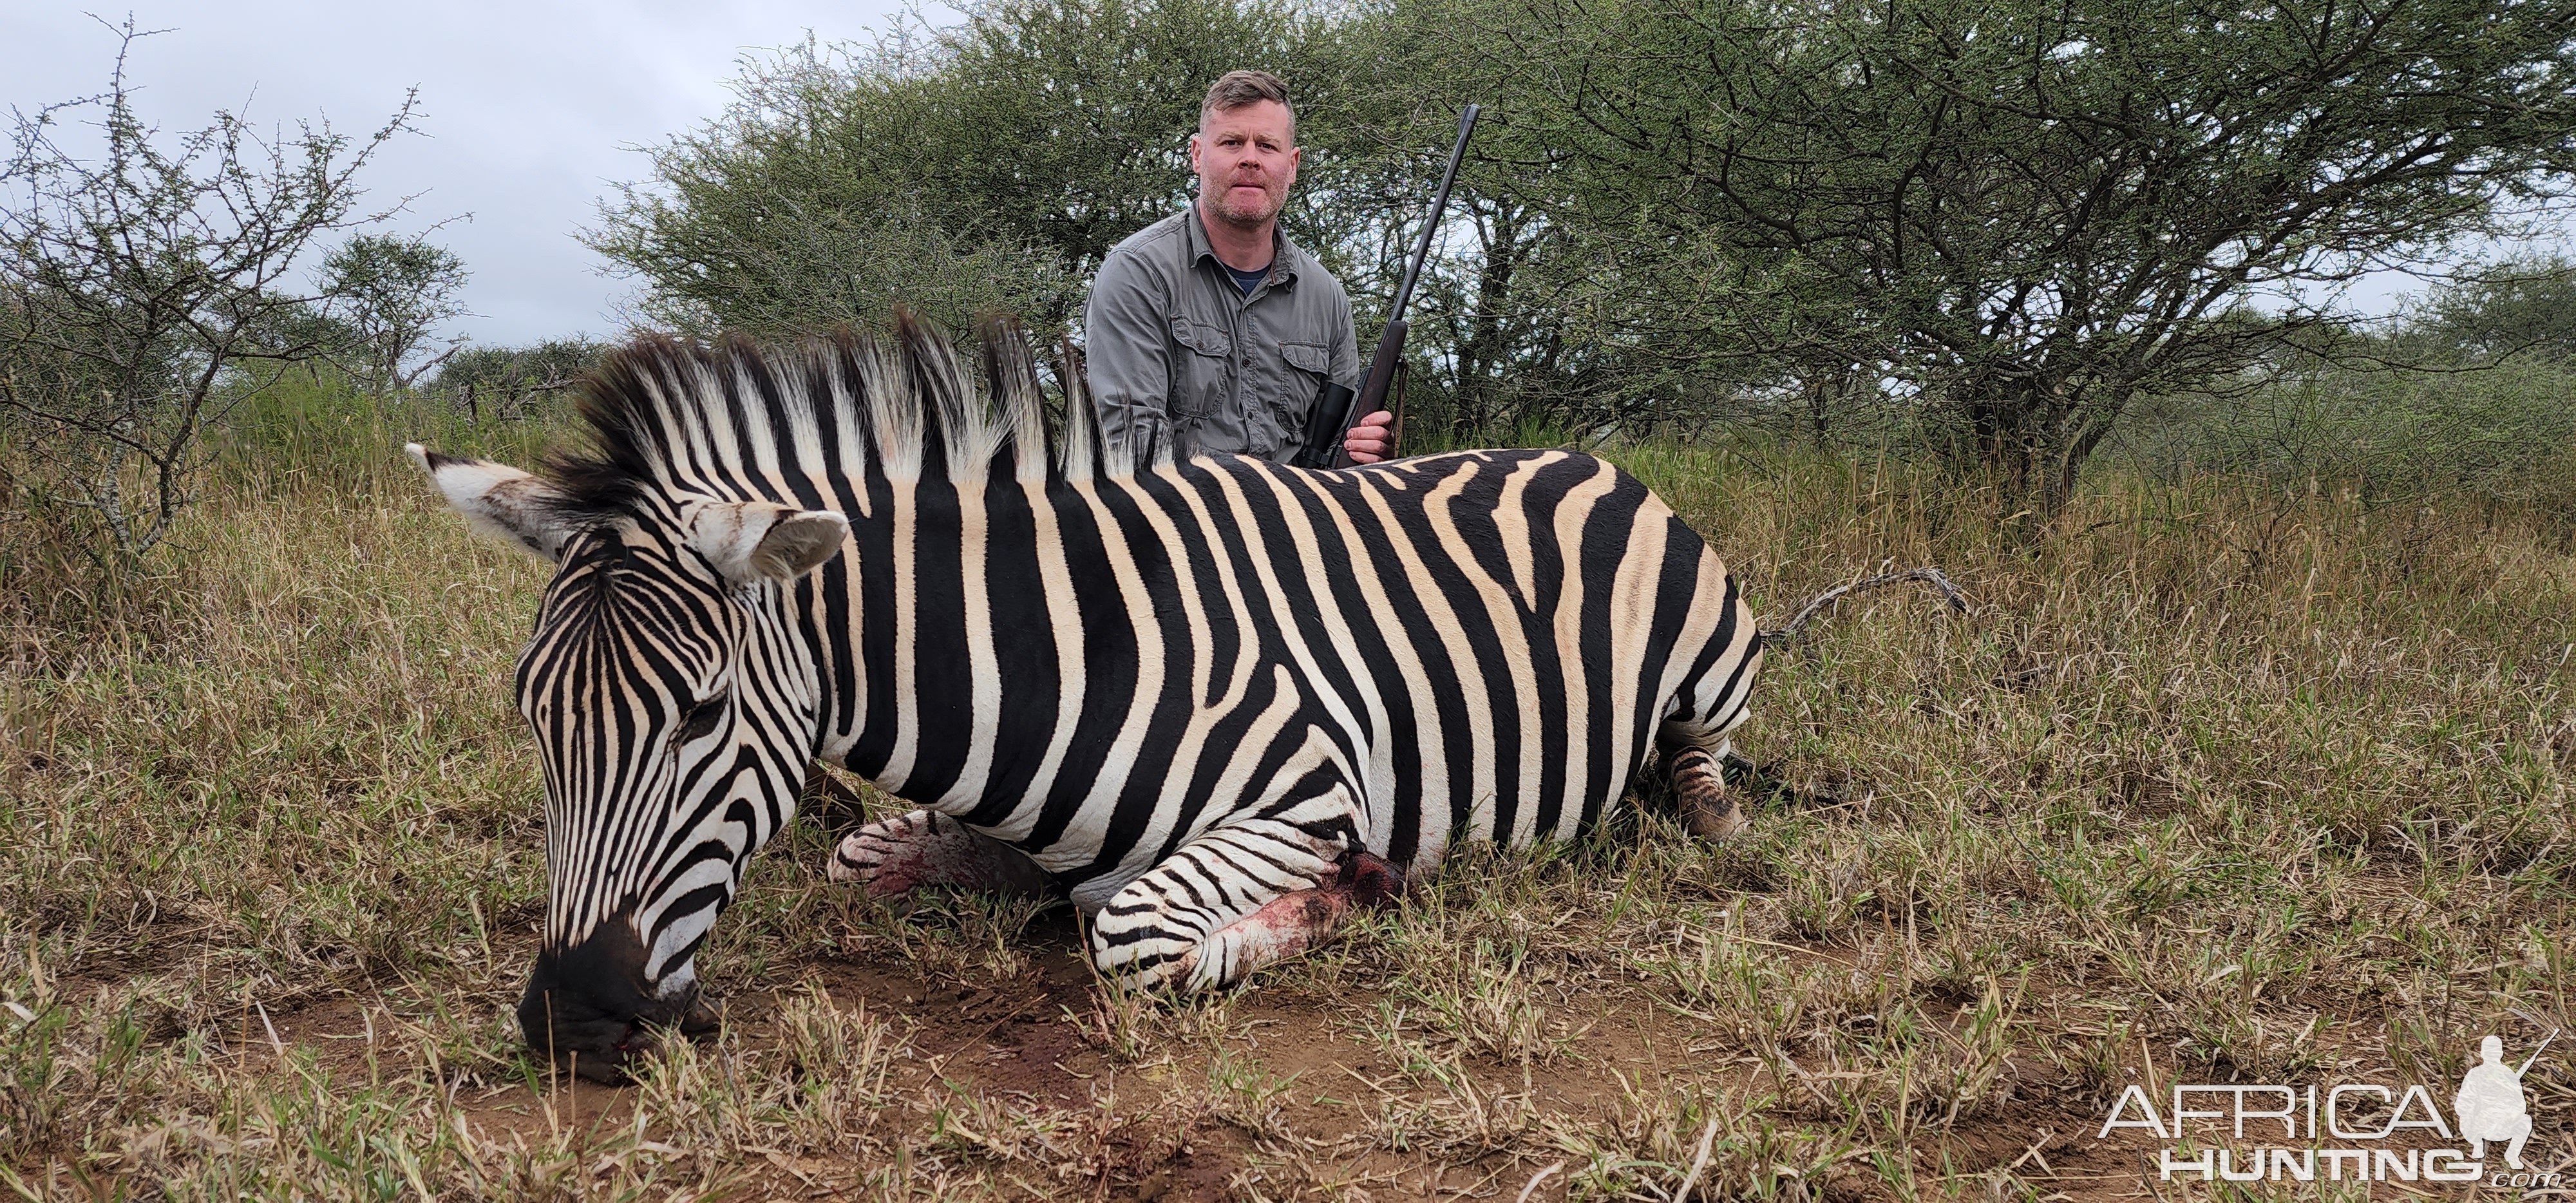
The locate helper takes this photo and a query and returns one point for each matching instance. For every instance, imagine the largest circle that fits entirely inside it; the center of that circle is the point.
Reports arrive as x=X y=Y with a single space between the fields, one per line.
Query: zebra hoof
x=1716 y=820
x=1372 y=881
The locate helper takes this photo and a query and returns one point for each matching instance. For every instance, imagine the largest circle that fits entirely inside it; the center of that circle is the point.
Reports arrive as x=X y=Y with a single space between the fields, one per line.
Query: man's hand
x=1372 y=440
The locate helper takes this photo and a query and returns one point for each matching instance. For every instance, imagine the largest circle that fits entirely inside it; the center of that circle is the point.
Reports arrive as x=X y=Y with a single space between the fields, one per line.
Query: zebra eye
x=702 y=718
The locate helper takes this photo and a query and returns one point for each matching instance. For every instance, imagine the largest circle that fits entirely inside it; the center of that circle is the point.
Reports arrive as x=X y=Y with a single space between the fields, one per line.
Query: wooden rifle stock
x=1336 y=407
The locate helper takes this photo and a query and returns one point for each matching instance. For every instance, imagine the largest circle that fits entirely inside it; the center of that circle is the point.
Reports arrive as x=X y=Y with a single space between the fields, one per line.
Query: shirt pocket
x=1199 y=371
x=1314 y=359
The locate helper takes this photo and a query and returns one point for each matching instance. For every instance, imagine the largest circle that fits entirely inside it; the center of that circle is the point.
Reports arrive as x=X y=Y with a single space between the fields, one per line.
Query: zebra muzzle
x=590 y=1010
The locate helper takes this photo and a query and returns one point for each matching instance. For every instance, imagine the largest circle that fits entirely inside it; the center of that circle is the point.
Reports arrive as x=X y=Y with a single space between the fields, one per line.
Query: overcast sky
x=529 y=110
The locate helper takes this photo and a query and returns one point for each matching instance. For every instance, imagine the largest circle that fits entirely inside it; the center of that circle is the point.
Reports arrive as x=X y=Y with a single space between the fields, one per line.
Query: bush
x=507 y=383
x=140 y=288
x=2504 y=435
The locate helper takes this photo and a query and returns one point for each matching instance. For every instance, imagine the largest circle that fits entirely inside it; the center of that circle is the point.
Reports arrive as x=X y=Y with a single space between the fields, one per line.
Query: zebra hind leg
x=1709 y=809
x=920 y=848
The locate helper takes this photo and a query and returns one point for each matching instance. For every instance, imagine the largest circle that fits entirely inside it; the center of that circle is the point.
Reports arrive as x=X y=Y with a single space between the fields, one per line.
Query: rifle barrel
x=1439 y=205
x=2535 y=1053
x=1338 y=407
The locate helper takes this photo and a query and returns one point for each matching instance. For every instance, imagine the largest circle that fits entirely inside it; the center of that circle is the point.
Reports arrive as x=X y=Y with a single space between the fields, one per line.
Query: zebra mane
x=669 y=415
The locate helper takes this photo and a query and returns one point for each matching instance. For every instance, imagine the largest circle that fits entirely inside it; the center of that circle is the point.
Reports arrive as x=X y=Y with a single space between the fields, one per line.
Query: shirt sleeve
x=1127 y=355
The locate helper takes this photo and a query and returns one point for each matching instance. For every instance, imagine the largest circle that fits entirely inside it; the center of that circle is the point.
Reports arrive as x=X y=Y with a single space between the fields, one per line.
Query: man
x=1209 y=331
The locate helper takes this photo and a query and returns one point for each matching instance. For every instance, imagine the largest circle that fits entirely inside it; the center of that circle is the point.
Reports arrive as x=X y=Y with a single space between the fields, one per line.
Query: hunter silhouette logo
x=2490 y=1102
x=2360 y=1119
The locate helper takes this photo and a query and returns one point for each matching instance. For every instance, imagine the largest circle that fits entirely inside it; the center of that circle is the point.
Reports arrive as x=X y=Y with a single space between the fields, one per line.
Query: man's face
x=1246 y=159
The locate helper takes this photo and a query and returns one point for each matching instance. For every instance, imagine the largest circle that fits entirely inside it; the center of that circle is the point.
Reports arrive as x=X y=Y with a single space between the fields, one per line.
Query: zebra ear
x=754 y=541
x=498 y=500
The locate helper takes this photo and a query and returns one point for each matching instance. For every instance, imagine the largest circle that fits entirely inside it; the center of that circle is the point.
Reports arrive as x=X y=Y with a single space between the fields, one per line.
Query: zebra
x=1216 y=701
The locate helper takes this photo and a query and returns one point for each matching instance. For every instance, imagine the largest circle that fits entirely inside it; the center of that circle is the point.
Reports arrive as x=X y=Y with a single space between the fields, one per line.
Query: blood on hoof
x=1709 y=809
x=1371 y=880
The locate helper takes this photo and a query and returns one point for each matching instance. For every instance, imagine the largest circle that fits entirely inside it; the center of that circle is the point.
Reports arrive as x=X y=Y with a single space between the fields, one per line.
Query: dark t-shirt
x=1247 y=281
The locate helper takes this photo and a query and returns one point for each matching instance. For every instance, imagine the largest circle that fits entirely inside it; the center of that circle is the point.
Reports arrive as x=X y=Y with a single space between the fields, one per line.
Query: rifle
x=1336 y=407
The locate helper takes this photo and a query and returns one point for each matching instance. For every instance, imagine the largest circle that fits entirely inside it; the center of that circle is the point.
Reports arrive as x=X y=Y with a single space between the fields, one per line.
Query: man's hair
x=1236 y=89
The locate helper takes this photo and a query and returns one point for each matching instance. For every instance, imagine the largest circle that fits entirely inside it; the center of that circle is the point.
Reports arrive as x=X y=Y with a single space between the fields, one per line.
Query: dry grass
x=2211 y=782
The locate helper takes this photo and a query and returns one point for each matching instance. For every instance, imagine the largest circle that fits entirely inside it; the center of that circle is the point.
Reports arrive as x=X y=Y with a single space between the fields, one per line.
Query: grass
x=2214 y=782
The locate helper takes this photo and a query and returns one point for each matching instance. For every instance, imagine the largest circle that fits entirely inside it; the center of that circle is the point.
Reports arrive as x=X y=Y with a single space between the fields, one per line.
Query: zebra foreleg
x=923 y=848
x=1291 y=923
x=1233 y=901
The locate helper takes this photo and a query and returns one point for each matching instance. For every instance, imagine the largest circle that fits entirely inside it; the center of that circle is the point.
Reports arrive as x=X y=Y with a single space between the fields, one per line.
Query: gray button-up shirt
x=1175 y=352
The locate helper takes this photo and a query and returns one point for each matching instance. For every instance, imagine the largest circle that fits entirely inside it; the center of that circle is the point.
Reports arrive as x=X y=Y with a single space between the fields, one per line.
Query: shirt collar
x=1283 y=253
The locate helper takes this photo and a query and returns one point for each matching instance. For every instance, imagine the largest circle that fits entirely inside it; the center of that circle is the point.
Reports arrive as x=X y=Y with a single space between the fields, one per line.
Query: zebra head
x=675 y=713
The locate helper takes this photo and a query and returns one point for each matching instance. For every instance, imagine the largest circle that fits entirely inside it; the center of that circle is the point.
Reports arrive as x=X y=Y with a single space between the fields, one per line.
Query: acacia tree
x=987 y=164
x=804 y=205
x=389 y=292
x=509 y=380
x=2025 y=214
x=136 y=282
x=2525 y=307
